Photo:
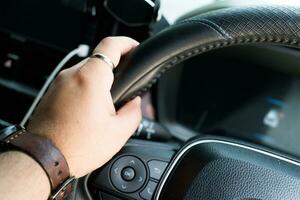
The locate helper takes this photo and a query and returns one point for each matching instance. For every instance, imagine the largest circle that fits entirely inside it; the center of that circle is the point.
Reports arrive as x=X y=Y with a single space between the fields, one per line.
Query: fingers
x=129 y=117
x=113 y=48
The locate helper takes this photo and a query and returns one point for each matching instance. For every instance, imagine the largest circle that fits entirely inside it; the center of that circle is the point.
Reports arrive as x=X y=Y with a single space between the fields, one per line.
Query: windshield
x=173 y=9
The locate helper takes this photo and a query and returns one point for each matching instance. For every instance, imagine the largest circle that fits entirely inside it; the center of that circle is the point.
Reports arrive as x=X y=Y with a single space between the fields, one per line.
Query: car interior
x=219 y=81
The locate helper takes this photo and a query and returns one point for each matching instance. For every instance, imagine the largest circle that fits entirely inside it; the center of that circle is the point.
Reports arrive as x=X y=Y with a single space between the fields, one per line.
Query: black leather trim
x=181 y=179
x=200 y=34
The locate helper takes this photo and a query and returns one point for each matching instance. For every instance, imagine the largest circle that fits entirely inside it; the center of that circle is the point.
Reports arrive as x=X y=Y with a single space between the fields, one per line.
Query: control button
x=124 y=186
x=128 y=173
x=116 y=170
x=140 y=179
x=132 y=162
x=157 y=168
x=148 y=192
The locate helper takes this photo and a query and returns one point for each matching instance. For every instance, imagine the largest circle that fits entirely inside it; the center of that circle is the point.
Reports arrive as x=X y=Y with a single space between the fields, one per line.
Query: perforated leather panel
x=256 y=21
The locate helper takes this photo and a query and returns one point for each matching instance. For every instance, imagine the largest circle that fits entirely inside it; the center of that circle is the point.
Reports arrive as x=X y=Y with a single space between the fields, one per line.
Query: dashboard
x=40 y=21
x=239 y=93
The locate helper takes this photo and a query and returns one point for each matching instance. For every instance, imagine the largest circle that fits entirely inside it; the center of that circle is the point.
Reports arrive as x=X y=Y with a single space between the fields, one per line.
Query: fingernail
x=138 y=100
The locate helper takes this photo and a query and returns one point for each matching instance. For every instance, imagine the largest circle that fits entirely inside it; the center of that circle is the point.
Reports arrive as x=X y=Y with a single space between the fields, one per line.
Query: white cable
x=81 y=51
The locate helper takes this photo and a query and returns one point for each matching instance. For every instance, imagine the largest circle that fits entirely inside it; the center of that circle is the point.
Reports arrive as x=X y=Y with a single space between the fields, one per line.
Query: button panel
x=157 y=168
x=148 y=192
x=134 y=178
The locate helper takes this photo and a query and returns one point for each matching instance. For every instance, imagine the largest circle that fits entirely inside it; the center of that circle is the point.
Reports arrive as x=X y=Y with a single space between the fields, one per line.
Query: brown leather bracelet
x=49 y=157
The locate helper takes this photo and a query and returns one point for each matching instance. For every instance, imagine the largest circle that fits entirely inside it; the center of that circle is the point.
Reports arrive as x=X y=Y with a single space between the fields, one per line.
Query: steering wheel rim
x=200 y=34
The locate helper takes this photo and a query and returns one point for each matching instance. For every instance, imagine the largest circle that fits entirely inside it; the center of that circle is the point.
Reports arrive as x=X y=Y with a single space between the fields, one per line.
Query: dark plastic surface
x=41 y=20
x=105 y=196
x=131 y=12
x=144 y=151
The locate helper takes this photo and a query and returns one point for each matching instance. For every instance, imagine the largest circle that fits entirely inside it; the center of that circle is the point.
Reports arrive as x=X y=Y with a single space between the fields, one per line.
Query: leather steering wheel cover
x=200 y=34
x=265 y=159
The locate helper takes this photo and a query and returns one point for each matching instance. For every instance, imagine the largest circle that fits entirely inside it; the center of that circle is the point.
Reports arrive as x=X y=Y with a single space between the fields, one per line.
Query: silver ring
x=104 y=58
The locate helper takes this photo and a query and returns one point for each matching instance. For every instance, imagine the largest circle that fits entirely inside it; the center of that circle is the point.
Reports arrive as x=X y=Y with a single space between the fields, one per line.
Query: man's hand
x=77 y=113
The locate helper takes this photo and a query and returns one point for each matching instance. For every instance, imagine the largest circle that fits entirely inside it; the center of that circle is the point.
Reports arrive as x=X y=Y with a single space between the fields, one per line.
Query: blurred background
x=254 y=95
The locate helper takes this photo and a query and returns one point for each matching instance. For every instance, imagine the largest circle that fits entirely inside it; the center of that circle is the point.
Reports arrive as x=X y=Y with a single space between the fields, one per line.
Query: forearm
x=21 y=177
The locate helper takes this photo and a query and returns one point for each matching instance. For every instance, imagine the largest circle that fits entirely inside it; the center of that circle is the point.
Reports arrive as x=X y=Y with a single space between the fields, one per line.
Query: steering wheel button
x=116 y=170
x=131 y=162
x=140 y=179
x=128 y=173
x=124 y=187
x=148 y=192
x=157 y=168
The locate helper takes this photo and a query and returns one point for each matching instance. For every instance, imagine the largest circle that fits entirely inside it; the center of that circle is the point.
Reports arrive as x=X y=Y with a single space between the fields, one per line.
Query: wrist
x=20 y=167
x=31 y=165
x=46 y=154
x=58 y=135
x=60 y=143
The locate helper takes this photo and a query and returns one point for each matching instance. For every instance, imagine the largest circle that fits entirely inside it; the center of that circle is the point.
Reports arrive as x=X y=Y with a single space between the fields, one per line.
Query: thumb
x=129 y=116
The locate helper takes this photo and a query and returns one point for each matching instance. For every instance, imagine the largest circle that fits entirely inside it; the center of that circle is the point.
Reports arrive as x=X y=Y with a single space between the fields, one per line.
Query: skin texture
x=77 y=114
x=22 y=177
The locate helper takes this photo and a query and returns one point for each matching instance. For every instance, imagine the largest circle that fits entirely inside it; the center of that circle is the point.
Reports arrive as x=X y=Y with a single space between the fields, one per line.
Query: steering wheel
x=216 y=168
